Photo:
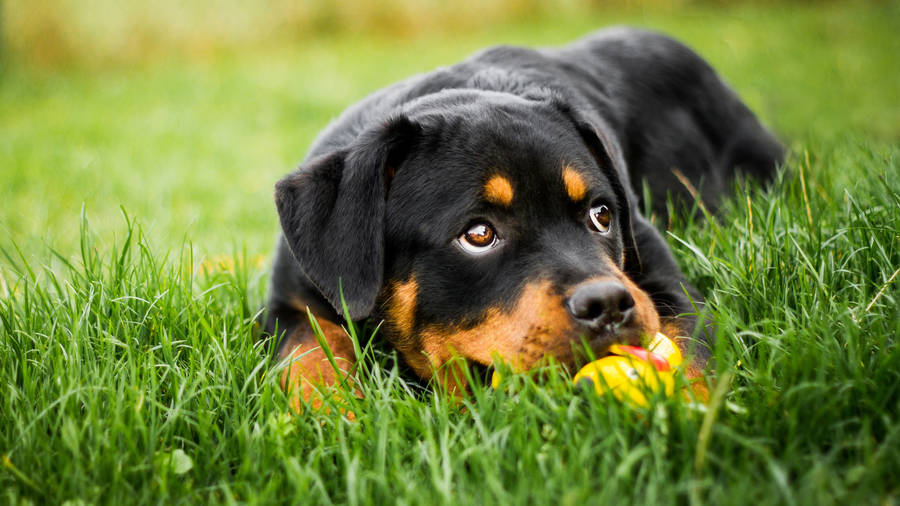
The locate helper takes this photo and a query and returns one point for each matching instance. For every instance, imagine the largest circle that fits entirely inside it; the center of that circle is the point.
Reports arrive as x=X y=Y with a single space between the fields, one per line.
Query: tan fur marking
x=574 y=182
x=402 y=308
x=698 y=381
x=671 y=329
x=310 y=369
x=498 y=190
x=537 y=326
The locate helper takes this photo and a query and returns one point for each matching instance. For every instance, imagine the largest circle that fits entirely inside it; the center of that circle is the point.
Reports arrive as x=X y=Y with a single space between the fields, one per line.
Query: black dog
x=490 y=209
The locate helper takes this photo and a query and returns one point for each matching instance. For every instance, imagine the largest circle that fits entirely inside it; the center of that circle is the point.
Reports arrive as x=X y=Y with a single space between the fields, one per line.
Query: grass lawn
x=135 y=230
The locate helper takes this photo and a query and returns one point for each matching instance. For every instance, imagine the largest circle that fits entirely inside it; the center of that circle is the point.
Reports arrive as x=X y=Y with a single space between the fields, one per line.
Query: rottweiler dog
x=492 y=209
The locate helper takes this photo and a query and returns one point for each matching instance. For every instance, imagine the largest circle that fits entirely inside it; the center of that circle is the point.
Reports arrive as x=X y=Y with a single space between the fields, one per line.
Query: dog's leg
x=287 y=322
x=309 y=368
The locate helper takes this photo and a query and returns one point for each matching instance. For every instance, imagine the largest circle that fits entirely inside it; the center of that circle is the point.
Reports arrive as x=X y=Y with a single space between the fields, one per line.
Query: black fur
x=389 y=185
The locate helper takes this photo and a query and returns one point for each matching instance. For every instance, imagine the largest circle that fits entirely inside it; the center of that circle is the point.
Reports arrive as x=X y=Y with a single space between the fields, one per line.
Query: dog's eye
x=601 y=217
x=478 y=239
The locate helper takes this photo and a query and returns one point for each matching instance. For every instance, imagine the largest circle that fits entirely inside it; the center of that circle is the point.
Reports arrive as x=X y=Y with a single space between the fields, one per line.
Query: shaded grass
x=129 y=368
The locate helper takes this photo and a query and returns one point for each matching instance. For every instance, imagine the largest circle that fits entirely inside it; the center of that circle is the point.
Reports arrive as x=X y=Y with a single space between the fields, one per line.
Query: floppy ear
x=599 y=139
x=332 y=215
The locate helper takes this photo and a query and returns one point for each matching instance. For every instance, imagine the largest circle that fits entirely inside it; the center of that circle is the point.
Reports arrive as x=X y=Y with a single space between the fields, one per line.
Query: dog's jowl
x=492 y=209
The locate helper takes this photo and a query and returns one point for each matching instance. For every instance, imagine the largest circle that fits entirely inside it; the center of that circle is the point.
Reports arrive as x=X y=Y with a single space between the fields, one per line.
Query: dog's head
x=474 y=223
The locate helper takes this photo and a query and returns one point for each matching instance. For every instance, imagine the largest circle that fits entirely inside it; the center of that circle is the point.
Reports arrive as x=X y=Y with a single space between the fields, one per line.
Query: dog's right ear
x=332 y=214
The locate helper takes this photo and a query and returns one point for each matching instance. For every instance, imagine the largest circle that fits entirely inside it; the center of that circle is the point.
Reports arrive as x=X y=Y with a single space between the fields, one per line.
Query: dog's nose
x=598 y=304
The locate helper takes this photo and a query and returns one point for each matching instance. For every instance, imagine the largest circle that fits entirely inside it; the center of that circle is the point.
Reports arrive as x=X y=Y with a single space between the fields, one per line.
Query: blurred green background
x=186 y=113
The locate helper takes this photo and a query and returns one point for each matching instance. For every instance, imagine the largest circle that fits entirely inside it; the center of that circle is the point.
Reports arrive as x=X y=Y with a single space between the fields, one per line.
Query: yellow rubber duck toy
x=630 y=371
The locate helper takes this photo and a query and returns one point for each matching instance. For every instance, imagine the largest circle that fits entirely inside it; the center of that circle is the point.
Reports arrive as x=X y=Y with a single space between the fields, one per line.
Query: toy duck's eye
x=601 y=217
x=479 y=238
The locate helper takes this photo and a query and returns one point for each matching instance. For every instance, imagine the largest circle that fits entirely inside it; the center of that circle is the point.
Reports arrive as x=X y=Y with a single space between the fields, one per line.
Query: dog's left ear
x=332 y=215
x=601 y=142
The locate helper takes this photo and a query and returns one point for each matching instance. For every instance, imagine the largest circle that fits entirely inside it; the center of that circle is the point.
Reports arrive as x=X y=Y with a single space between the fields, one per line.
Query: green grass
x=129 y=370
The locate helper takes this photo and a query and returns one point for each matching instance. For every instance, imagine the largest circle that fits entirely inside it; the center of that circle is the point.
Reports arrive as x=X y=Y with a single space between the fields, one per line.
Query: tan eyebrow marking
x=574 y=183
x=499 y=191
